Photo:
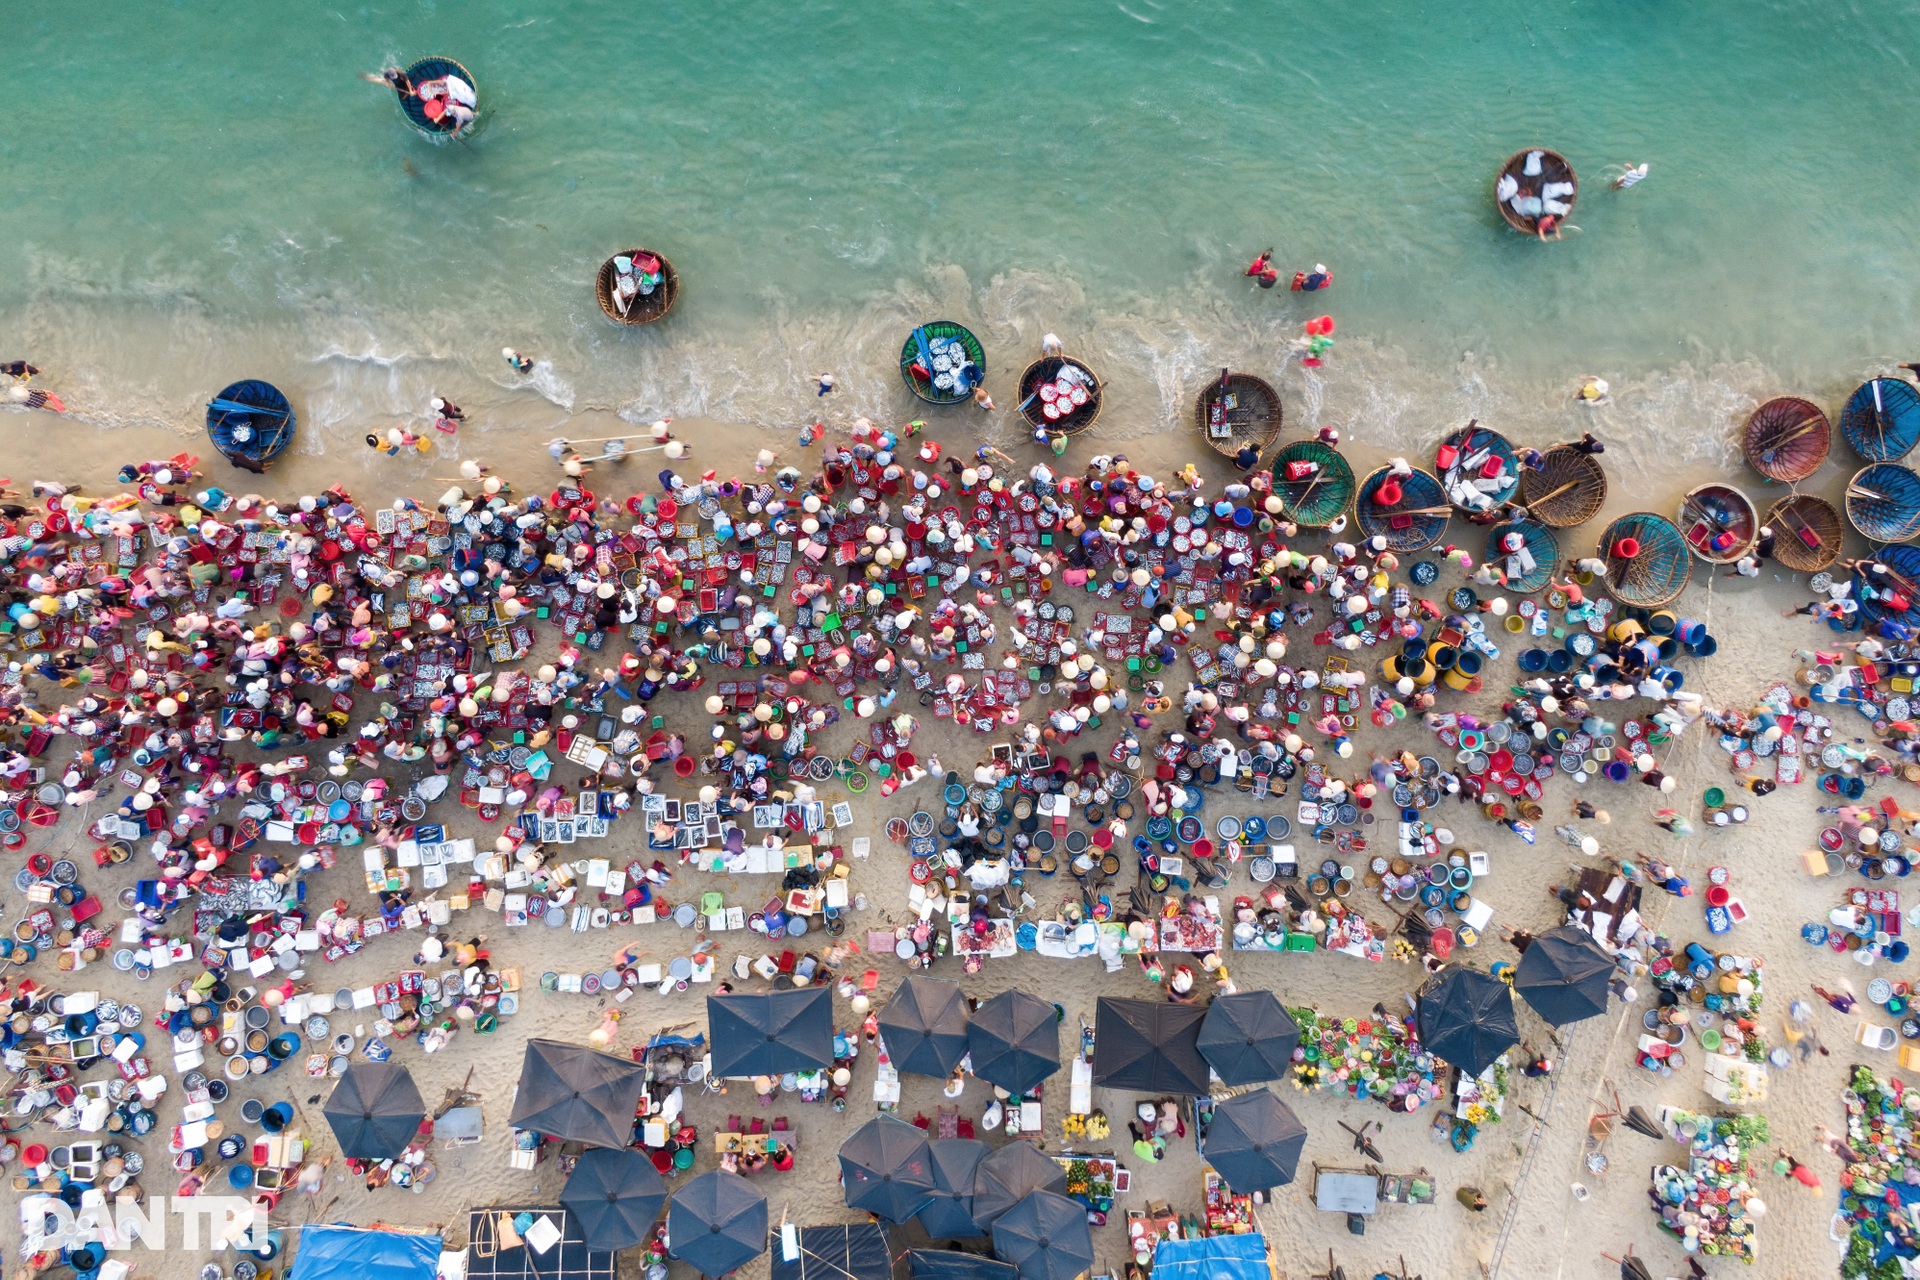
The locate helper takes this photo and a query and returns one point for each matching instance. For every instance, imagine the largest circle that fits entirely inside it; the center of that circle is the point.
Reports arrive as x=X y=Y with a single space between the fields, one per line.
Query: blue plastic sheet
x=354 y=1253
x=1212 y=1258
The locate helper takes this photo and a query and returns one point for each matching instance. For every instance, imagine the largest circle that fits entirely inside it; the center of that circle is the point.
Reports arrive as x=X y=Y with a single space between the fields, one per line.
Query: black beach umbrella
x=1010 y=1175
x=1466 y=1017
x=887 y=1168
x=577 y=1094
x=717 y=1223
x=1248 y=1037
x=944 y=1264
x=1149 y=1045
x=1563 y=976
x=374 y=1110
x=616 y=1197
x=771 y=1033
x=1640 y=1122
x=1254 y=1141
x=949 y=1215
x=925 y=1027
x=1045 y=1237
x=1015 y=1041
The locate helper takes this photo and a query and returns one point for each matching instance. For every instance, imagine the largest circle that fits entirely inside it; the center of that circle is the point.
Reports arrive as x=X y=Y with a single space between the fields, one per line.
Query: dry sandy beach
x=1527 y=1166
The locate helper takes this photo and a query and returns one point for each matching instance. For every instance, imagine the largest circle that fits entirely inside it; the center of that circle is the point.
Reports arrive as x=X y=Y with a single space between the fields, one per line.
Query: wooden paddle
x=1802 y=529
x=1320 y=475
x=1549 y=497
x=1855 y=491
x=1767 y=455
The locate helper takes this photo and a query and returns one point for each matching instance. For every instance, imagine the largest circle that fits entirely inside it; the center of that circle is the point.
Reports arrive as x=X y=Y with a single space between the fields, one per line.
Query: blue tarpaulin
x=1213 y=1258
x=944 y=1264
x=354 y=1253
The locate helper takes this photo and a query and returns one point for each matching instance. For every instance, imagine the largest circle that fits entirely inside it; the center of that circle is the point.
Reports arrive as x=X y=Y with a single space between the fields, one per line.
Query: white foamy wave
x=350 y=371
x=543 y=380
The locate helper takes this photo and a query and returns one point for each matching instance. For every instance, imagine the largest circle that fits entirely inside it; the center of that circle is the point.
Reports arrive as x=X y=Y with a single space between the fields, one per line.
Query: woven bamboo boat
x=1881 y=420
x=1893 y=594
x=1320 y=496
x=1530 y=566
x=1807 y=532
x=1410 y=511
x=1071 y=417
x=1719 y=522
x=1787 y=439
x=1472 y=454
x=414 y=108
x=1553 y=168
x=1883 y=502
x=924 y=362
x=1647 y=560
x=251 y=424
x=1569 y=490
x=645 y=307
x=1236 y=409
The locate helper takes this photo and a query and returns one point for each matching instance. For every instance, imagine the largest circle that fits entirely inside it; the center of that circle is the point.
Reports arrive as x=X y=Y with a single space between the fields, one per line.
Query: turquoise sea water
x=199 y=192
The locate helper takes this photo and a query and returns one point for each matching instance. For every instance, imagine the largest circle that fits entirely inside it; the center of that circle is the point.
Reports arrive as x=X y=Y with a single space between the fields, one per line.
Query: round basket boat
x=251 y=424
x=1531 y=566
x=1568 y=490
x=414 y=107
x=1647 y=560
x=1320 y=495
x=1071 y=414
x=927 y=357
x=1892 y=595
x=1475 y=454
x=1410 y=511
x=1881 y=420
x=1807 y=532
x=1553 y=168
x=1787 y=439
x=1237 y=409
x=1883 y=502
x=1719 y=522
x=645 y=307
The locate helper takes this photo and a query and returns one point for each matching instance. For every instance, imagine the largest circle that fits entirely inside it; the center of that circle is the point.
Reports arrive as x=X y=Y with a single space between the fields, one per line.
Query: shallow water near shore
x=222 y=197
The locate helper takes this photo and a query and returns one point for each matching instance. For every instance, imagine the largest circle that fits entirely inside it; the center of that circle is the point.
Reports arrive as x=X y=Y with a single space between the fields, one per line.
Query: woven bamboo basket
x=1888 y=589
x=1881 y=420
x=1553 y=168
x=1034 y=408
x=415 y=110
x=1647 y=560
x=1249 y=411
x=1318 y=499
x=1807 y=532
x=1541 y=546
x=1568 y=490
x=1787 y=439
x=645 y=307
x=1466 y=444
x=1414 y=521
x=1883 y=502
x=1713 y=513
x=919 y=376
